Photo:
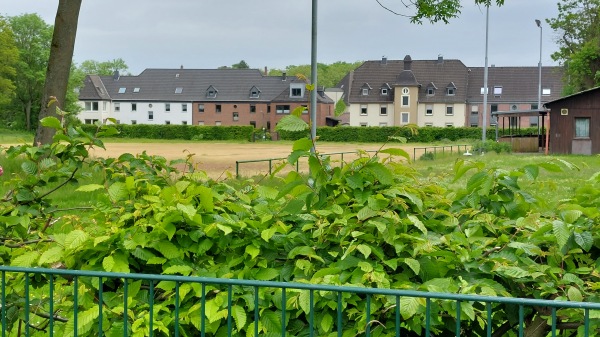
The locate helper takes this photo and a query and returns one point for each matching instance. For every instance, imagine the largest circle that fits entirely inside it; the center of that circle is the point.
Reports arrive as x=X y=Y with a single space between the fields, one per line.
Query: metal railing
x=440 y=149
x=270 y=161
x=34 y=299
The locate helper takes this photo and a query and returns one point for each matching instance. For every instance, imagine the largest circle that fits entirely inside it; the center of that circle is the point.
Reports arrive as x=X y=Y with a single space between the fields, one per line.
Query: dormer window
x=211 y=92
x=384 y=91
x=451 y=89
x=254 y=92
x=365 y=89
x=122 y=90
x=136 y=90
x=497 y=90
x=431 y=88
x=365 y=92
x=296 y=90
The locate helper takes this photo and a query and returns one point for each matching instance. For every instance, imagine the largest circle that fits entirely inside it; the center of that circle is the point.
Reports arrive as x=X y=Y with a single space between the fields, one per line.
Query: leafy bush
x=490 y=145
x=186 y=132
x=370 y=223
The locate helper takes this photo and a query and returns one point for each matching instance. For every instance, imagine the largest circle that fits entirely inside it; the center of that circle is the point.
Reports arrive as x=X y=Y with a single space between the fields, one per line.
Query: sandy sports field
x=217 y=158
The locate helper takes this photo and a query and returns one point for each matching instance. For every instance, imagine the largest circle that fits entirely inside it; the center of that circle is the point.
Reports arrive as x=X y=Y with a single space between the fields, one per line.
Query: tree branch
x=391 y=11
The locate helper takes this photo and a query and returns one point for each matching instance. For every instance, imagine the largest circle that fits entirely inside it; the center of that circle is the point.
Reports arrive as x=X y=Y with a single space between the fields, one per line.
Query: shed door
x=582 y=143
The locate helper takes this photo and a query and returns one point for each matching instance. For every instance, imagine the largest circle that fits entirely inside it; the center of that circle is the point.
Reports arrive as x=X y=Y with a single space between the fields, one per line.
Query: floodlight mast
x=313 y=78
x=485 y=76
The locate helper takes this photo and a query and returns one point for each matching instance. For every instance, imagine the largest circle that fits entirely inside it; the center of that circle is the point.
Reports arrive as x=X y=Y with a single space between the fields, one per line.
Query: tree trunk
x=59 y=65
x=28 y=115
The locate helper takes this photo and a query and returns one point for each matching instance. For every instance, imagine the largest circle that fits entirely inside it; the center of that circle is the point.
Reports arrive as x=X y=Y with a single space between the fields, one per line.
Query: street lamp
x=539 y=24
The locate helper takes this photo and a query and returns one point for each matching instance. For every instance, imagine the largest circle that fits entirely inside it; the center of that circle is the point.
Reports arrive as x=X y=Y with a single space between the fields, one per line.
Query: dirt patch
x=218 y=158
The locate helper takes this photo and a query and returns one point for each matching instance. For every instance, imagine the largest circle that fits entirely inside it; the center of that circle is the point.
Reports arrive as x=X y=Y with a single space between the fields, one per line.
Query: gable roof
x=416 y=73
x=163 y=84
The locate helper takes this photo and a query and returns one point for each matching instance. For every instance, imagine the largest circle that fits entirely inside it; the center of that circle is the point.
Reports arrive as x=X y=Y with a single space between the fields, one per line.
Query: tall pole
x=539 y=24
x=485 y=76
x=313 y=77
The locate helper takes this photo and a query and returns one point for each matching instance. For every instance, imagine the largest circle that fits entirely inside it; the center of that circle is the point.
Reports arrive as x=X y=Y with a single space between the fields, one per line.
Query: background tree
x=578 y=24
x=59 y=65
x=9 y=55
x=329 y=75
x=32 y=37
x=240 y=65
x=92 y=67
x=433 y=10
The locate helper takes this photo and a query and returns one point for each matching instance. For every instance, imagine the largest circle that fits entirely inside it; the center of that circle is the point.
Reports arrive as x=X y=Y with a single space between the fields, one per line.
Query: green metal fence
x=442 y=149
x=35 y=300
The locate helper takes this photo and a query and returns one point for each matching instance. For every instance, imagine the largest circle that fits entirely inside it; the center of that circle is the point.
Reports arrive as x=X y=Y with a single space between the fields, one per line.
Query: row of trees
x=24 y=54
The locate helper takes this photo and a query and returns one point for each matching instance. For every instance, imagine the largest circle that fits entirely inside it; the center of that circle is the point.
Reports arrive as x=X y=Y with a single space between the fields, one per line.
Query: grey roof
x=419 y=73
x=584 y=92
x=519 y=84
x=232 y=85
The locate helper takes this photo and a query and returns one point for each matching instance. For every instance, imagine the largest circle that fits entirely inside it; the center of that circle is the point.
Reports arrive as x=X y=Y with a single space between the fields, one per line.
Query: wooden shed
x=575 y=123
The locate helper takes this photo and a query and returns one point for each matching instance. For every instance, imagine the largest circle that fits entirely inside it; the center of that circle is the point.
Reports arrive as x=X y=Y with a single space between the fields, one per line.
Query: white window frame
x=402 y=99
x=365 y=92
x=404 y=120
x=383 y=110
x=451 y=113
x=364 y=110
x=150 y=115
x=428 y=110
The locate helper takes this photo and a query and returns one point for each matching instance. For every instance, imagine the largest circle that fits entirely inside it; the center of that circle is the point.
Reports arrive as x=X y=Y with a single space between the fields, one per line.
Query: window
x=254 y=93
x=493 y=107
x=365 y=92
x=200 y=107
x=429 y=110
x=253 y=123
x=296 y=92
x=282 y=109
x=533 y=121
x=91 y=106
x=384 y=91
x=484 y=91
x=382 y=124
x=534 y=107
x=404 y=118
x=363 y=124
x=363 y=110
x=428 y=124
x=184 y=107
x=546 y=92
x=200 y=122
x=122 y=90
x=218 y=123
x=405 y=91
x=449 y=110
x=167 y=107
x=252 y=108
x=184 y=123
x=430 y=91
x=150 y=105
x=383 y=110
x=117 y=107
x=497 y=90
x=90 y=121
x=513 y=121
x=514 y=107
x=150 y=115
x=450 y=91
x=474 y=109
x=133 y=122
x=178 y=90
x=305 y=110
x=405 y=100
x=449 y=125
x=218 y=108
x=268 y=109
x=136 y=90
x=133 y=106
x=236 y=116
x=167 y=122
x=211 y=92
x=474 y=125
x=582 y=127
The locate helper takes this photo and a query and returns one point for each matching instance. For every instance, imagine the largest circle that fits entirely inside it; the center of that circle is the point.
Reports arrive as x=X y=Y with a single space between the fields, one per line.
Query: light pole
x=313 y=77
x=539 y=24
x=485 y=76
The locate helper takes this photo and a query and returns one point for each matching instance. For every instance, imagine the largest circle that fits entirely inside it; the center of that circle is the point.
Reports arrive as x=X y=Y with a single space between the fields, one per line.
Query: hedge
x=187 y=132
x=382 y=134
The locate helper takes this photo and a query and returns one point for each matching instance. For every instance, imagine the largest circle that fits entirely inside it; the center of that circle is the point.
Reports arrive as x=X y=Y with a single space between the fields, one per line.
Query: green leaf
x=304 y=301
x=418 y=223
x=168 y=250
x=574 y=294
x=188 y=210
x=302 y=144
x=267 y=274
x=108 y=263
x=513 y=272
x=117 y=192
x=85 y=322
x=271 y=322
x=239 y=316
x=396 y=152
x=561 y=232
x=570 y=216
x=76 y=239
x=409 y=306
x=183 y=270
x=585 y=240
x=365 y=250
x=29 y=167
x=298 y=111
x=413 y=264
x=291 y=123
x=365 y=213
x=528 y=248
x=326 y=323
x=51 y=122
x=89 y=188
x=25 y=260
x=252 y=251
x=380 y=172
x=53 y=254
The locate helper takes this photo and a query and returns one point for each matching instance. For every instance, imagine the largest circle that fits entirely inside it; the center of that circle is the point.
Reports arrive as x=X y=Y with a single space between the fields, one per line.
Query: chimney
x=116 y=75
x=284 y=77
x=266 y=71
x=181 y=67
x=383 y=60
x=440 y=59
x=407 y=62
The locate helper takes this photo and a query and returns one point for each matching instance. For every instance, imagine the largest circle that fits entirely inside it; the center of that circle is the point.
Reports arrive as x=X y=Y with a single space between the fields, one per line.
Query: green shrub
x=185 y=132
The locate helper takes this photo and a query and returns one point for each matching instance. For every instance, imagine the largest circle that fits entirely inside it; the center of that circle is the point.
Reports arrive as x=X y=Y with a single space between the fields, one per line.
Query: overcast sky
x=277 y=33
